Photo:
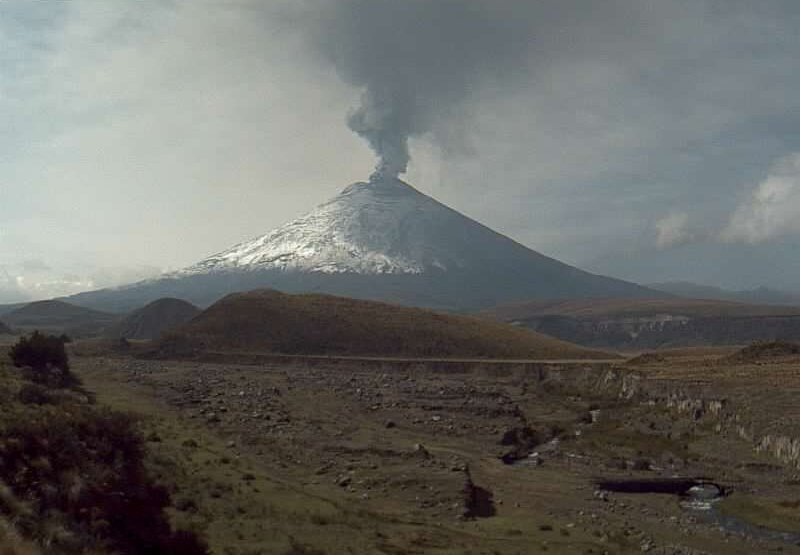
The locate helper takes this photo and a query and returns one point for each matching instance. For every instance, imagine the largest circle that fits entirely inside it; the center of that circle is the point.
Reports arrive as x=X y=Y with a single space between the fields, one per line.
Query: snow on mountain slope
x=379 y=240
x=377 y=227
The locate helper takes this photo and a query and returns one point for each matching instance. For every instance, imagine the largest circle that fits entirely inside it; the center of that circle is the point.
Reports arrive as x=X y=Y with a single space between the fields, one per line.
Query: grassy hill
x=152 y=320
x=274 y=322
x=59 y=317
x=4 y=329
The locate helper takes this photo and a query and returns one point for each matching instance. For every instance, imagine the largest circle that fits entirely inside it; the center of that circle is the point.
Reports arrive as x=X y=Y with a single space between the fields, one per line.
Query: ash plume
x=417 y=61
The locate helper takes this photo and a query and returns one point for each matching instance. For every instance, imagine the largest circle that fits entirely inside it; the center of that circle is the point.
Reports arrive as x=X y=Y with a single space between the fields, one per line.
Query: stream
x=699 y=497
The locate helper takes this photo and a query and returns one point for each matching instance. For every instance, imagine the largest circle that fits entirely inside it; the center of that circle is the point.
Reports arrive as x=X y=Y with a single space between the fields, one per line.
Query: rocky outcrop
x=785 y=448
x=695 y=402
x=667 y=330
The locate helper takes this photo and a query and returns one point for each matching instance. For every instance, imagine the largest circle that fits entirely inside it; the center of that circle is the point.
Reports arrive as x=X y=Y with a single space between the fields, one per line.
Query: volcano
x=380 y=240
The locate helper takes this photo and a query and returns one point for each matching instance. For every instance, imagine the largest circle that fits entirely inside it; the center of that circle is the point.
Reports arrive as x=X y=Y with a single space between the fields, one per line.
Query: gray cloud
x=156 y=133
x=417 y=61
x=673 y=230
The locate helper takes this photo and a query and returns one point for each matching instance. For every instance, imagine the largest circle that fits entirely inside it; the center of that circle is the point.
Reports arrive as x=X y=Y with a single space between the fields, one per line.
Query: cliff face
x=735 y=405
x=668 y=330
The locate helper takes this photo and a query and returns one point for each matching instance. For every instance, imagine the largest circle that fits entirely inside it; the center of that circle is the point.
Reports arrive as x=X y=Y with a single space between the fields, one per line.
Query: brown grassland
x=270 y=321
x=318 y=456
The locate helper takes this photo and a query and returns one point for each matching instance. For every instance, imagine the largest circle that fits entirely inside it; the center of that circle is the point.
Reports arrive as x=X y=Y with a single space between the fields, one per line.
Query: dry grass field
x=270 y=321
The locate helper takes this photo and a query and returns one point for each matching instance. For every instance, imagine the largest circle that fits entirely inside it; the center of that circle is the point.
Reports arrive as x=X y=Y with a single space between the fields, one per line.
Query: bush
x=46 y=357
x=83 y=470
x=34 y=394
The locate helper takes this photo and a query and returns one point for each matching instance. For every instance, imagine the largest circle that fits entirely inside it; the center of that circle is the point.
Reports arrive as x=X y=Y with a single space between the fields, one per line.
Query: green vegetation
x=769 y=513
x=269 y=321
x=45 y=359
x=248 y=501
x=72 y=475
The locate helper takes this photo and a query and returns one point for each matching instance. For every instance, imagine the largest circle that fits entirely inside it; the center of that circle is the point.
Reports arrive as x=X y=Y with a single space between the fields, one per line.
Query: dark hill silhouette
x=759 y=295
x=267 y=321
x=59 y=317
x=152 y=320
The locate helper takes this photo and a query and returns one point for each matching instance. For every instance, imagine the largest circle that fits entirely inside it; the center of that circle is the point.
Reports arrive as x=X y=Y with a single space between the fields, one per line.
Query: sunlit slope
x=269 y=321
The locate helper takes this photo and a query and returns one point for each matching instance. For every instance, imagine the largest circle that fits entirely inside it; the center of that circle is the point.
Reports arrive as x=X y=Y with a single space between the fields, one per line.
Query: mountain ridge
x=758 y=295
x=58 y=316
x=379 y=240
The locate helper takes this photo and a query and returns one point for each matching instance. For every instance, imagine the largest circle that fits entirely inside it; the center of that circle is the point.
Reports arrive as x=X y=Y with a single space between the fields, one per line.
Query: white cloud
x=773 y=208
x=35 y=279
x=673 y=230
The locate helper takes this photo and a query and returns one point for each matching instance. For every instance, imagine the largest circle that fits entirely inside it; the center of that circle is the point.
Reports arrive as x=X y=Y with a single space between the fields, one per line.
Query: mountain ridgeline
x=59 y=317
x=380 y=240
x=653 y=323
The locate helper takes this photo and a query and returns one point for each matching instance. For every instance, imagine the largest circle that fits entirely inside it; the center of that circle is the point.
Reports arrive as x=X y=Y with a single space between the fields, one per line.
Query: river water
x=700 y=498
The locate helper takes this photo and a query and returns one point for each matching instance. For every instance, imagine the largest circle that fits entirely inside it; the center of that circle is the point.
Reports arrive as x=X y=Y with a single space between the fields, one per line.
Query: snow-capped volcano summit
x=381 y=240
x=383 y=226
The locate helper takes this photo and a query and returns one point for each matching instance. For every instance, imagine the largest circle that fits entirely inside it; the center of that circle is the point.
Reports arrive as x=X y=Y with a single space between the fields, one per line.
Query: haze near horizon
x=649 y=141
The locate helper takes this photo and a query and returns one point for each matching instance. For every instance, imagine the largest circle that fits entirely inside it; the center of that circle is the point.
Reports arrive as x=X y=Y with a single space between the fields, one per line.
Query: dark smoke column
x=417 y=61
x=385 y=132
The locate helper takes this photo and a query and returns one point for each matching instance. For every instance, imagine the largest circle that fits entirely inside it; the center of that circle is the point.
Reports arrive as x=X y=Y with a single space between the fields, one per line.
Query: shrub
x=34 y=394
x=84 y=469
x=46 y=357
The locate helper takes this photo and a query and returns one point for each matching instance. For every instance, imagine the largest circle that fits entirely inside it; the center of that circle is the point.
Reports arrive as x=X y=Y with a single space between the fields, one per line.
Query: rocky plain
x=338 y=455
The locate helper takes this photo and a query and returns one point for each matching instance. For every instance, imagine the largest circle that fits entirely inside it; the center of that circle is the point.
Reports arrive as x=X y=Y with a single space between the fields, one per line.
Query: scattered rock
x=420 y=450
x=601 y=495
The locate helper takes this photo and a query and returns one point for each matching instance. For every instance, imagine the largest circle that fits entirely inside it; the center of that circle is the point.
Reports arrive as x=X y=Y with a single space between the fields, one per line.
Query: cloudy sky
x=651 y=140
